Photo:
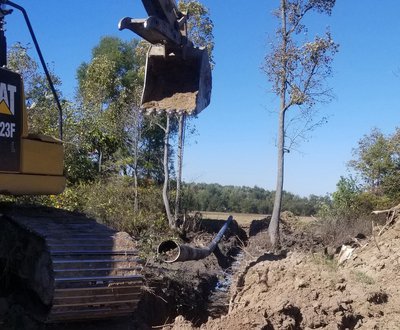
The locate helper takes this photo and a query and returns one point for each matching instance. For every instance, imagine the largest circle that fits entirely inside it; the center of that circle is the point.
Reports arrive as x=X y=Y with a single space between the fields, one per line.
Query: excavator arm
x=178 y=74
x=163 y=26
x=152 y=29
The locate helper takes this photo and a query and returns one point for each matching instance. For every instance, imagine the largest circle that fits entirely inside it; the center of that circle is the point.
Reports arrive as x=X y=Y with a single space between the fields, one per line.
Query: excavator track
x=78 y=268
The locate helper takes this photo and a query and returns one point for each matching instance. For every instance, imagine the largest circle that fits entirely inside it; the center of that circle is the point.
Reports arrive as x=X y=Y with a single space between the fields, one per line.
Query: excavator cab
x=29 y=164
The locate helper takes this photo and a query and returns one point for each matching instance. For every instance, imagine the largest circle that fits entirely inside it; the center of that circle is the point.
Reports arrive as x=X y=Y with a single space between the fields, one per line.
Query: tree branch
x=160 y=126
x=310 y=76
x=299 y=18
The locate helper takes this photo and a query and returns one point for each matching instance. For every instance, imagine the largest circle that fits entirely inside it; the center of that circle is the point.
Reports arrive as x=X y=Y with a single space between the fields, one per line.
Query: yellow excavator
x=30 y=164
x=73 y=267
x=69 y=267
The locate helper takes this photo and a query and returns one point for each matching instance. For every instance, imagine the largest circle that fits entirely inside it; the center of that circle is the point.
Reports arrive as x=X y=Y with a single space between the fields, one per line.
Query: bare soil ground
x=305 y=288
x=302 y=287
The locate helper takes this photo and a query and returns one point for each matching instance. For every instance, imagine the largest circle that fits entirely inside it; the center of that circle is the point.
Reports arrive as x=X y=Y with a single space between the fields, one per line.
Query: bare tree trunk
x=100 y=160
x=171 y=220
x=136 y=190
x=297 y=72
x=181 y=139
x=273 y=229
x=135 y=163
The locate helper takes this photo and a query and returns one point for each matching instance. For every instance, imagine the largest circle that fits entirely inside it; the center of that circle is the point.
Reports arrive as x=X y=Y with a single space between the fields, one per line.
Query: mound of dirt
x=309 y=290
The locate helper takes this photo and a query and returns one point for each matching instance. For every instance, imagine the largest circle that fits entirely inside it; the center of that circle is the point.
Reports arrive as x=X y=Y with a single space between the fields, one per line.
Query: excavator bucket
x=177 y=82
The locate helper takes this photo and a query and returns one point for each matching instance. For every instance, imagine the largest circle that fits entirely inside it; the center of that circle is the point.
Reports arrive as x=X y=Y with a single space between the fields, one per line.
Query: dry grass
x=362 y=277
x=243 y=219
x=338 y=231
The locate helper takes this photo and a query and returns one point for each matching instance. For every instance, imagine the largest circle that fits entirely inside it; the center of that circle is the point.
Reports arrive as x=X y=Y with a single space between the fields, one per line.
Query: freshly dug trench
x=190 y=288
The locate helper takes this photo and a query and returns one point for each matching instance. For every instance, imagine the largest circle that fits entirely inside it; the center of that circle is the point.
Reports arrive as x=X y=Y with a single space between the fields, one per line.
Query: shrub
x=335 y=231
x=111 y=202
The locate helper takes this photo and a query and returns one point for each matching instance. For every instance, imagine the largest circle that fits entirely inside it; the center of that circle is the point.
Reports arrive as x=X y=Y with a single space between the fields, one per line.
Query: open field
x=243 y=219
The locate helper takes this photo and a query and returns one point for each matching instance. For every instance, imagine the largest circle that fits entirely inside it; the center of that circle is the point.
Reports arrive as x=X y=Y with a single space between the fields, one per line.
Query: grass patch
x=362 y=277
x=326 y=262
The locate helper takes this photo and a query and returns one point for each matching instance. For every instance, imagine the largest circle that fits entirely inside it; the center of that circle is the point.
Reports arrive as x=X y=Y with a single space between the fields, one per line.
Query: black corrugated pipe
x=171 y=251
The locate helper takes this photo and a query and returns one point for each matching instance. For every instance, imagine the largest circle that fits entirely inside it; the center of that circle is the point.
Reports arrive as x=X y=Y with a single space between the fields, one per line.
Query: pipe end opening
x=169 y=251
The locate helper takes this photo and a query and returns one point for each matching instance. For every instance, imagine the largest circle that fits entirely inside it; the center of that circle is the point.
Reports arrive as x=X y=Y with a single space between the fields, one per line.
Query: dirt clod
x=377 y=298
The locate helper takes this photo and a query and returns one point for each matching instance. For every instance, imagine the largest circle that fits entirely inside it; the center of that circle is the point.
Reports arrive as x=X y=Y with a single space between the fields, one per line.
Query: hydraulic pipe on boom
x=39 y=52
x=3 y=40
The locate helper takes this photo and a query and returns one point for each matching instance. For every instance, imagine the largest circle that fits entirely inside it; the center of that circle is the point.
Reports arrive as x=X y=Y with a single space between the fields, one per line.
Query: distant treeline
x=218 y=198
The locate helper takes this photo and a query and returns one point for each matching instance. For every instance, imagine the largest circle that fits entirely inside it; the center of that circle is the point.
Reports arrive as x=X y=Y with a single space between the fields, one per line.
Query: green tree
x=20 y=61
x=297 y=71
x=119 y=139
x=346 y=195
x=214 y=197
x=110 y=86
x=391 y=183
x=199 y=26
x=43 y=114
x=41 y=107
x=109 y=89
x=374 y=159
x=377 y=161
